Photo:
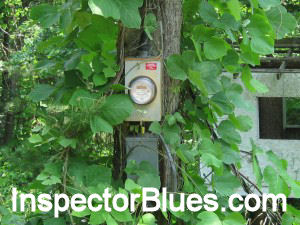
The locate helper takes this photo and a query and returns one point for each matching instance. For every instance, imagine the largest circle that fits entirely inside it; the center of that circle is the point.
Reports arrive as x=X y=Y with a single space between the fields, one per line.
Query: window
x=279 y=118
x=291 y=112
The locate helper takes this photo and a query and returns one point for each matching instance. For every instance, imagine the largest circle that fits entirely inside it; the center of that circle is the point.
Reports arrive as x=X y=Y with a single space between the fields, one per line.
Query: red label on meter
x=151 y=66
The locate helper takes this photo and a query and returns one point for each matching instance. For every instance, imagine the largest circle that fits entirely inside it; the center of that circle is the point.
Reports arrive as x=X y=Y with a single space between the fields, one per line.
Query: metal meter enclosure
x=143 y=79
x=143 y=149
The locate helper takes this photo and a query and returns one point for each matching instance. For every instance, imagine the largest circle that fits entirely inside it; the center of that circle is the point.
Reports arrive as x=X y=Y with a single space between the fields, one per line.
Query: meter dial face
x=142 y=90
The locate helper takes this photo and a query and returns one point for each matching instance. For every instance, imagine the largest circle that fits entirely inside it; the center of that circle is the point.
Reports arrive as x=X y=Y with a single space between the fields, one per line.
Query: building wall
x=287 y=86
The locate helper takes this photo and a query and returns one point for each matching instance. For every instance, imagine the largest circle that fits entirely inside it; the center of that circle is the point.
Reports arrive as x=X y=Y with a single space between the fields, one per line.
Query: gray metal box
x=143 y=148
x=152 y=68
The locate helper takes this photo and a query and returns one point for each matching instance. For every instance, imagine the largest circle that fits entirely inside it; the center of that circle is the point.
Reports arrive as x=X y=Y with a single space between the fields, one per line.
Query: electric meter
x=142 y=90
x=143 y=78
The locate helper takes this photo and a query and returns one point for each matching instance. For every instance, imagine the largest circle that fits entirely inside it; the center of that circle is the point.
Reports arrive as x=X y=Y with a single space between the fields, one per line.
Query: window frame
x=284 y=122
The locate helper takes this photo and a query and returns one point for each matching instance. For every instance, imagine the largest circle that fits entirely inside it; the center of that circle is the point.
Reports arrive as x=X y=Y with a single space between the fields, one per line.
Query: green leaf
x=97 y=174
x=85 y=69
x=190 y=8
x=46 y=14
x=202 y=33
x=226 y=184
x=122 y=216
x=247 y=55
x=176 y=67
x=101 y=34
x=210 y=160
x=254 y=3
x=234 y=218
x=234 y=94
x=35 y=138
x=51 y=174
x=287 y=219
x=228 y=133
x=230 y=155
x=211 y=153
x=99 y=79
x=125 y=10
x=234 y=8
x=109 y=72
x=73 y=79
x=55 y=221
x=208 y=218
x=13 y=219
x=292 y=216
x=51 y=181
x=4 y=211
x=221 y=103
x=186 y=154
x=263 y=45
x=242 y=123
x=116 y=109
x=83 y=99
x=149 y=180
x=276 y=184
x=100 y=125
x=281 y=166
x=205 y=77
x=81 y=214
x=65 y=142
x=131 y=186
x=41 y=92
x=262 y=35
x=246 y=78
x=110 y=220
x=260 y=87
x=207 y=12
x=179 y=118
x=282 y=22
x=171 y=134
x=255 y=164
x=231 y=61
x=106 y=8
x=215 y=48
x=269 y=3
x=97 y=218
x=195 y=78
x=73 y=61
x=150 y=24
x=252 y=84
x=155 y=127
x=228 y=23
x=171 y=120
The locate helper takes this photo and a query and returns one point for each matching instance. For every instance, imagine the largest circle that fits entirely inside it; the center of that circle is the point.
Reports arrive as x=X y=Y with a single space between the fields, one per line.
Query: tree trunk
x=8 y=85
x=171 y=20
x=166 y=41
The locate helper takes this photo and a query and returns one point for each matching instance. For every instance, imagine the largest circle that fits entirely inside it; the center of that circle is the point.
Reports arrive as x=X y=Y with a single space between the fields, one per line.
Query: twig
x=4 y=31
x=249 y=181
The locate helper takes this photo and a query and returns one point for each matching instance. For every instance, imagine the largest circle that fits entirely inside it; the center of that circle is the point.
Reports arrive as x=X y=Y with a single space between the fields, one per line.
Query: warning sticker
x=151 y=66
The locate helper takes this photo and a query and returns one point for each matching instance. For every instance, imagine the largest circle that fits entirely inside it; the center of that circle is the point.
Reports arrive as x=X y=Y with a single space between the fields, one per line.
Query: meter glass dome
x=142 y=90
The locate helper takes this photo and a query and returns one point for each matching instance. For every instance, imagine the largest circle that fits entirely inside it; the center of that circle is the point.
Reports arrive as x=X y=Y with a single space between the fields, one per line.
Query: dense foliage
x=67 y=99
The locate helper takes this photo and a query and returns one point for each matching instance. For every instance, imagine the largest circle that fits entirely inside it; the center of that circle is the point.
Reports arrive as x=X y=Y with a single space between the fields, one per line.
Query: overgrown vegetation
x=62 y=98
